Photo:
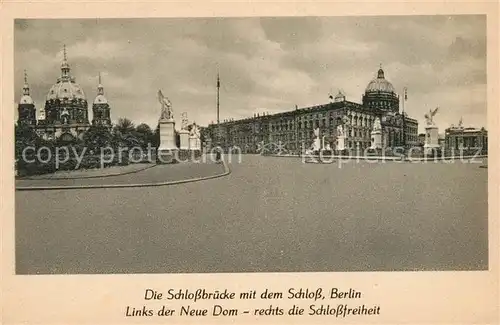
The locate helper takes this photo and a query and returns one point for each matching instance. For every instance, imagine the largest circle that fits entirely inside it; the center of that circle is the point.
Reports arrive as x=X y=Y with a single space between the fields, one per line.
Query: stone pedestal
x=340 y=143
x=194 y=143
x=316 y=144
x=167 y=149
x=431 y=139
x=376 y=137
x=167 y=135
x=184 y=139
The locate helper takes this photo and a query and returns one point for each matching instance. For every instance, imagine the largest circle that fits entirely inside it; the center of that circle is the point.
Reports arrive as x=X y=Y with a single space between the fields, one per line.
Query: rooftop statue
x=166 y=107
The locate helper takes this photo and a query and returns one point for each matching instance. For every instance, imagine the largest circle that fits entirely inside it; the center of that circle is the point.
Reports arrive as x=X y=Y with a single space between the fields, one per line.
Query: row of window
x=319 y=124
x=382 y=105
x=351 y=132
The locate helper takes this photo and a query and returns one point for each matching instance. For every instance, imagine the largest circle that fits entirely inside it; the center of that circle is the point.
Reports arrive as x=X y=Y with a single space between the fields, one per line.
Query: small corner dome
x=26 y=99
x=100 y=99
x=339 y=97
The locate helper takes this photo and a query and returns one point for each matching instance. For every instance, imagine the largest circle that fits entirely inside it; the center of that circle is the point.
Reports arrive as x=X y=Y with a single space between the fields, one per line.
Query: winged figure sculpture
x=166 y=106
x=429 y=116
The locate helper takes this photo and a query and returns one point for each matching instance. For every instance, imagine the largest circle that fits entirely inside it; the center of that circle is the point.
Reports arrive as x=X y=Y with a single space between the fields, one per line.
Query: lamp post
x=296 y=114
x=218 y=140
x=404 y=120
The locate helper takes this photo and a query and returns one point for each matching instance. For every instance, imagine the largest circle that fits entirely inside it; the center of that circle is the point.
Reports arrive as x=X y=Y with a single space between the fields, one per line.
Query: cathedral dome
x=66 y=88
x=65 y=102
x=380 y=84
x=380 y=95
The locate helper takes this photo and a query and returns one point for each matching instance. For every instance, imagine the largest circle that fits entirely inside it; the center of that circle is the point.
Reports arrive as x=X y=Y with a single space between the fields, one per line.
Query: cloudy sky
x=266 y=64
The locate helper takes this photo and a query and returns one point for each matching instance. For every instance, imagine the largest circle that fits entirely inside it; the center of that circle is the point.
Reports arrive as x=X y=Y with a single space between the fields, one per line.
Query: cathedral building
x=65 y=114
x=294 y=129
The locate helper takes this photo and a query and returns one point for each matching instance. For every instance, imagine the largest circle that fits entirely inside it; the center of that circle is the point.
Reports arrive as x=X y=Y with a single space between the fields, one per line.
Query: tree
x=25 y=136
x=124 y=134
x=30 y=163
x=155 y=142
x=124 y=126
x=97 y=137
x=144 y=134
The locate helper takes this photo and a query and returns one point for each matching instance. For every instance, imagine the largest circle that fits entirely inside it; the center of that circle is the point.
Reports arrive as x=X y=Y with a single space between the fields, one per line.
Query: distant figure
x=218 y=156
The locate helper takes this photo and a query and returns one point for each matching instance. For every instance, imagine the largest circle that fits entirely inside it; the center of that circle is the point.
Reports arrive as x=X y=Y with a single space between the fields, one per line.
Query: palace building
x=65 y=114
x=466 y=138
x=294 y=129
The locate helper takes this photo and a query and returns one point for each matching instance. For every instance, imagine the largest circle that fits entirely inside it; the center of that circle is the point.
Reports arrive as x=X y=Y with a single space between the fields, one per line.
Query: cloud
x=266 y=64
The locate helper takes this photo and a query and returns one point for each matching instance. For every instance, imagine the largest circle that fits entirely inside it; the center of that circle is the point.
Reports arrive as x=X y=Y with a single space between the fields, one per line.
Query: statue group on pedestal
x=195 y=132
x=189 y=140
x=167 y=112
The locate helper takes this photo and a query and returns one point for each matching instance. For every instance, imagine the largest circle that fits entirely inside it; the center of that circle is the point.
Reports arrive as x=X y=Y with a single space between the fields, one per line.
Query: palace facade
x=65 y=114
x=466 y=138
x=294 y=129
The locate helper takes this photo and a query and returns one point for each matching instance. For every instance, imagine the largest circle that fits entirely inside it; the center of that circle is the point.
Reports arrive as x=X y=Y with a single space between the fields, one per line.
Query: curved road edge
x=226 y=172
x=93 y=176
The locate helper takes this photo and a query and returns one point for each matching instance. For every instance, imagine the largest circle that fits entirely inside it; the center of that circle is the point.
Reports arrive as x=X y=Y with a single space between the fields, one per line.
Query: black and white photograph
x=251 y=144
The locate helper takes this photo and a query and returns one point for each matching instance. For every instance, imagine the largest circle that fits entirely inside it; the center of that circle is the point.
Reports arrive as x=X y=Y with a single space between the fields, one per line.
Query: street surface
x=269 y=215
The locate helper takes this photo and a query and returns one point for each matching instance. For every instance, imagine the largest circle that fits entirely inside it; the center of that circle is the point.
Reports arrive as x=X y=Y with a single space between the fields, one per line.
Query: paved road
x=268 y=215
x=146 y=174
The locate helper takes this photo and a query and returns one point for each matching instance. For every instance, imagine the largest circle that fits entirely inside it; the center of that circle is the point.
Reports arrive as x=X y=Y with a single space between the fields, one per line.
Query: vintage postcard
x=214 y=164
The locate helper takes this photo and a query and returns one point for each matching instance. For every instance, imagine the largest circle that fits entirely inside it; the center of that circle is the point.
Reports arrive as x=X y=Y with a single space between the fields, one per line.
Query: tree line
x=123 y=134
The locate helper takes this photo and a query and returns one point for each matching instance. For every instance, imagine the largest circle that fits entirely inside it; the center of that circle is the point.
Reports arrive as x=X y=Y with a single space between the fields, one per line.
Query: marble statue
x=376 y=124
x=429 y=117
x=184 y=124
x=166 y=107
x=195 y=132
x=316 y=142
x=316 y=132
x=65 y=116
x=340 y=130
